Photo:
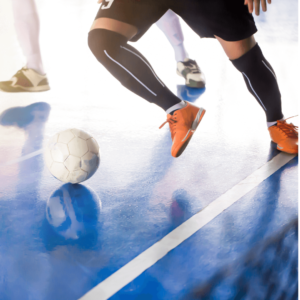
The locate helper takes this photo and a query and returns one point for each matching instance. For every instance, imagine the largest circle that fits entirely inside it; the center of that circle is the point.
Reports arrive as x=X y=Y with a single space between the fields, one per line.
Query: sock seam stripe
x=145 y=63
x=269 y=69
x=129 y=73
x=254 y=91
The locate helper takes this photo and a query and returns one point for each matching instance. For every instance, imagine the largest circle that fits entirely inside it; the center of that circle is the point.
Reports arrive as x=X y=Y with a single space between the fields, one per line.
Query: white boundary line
x=148 y=258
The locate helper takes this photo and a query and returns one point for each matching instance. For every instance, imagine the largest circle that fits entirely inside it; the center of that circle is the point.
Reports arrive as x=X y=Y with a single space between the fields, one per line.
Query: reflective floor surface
x=58 y=241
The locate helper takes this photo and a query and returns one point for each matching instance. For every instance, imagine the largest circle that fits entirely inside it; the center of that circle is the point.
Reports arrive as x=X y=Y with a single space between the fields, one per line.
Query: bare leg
x=127 y=30
x=237 y=49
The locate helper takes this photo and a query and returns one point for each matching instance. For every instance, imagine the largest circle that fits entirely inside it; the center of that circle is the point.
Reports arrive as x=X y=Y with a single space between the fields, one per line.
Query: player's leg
x=27 y=26
x=261 y=82
x=234 y=27
x=32 y=77
x=108 y=41
x=169 y=24
x=258 y=74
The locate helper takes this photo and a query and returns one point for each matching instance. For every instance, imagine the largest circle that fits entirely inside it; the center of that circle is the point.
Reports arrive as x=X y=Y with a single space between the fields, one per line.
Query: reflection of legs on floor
x=31 y=78
x=187 y=68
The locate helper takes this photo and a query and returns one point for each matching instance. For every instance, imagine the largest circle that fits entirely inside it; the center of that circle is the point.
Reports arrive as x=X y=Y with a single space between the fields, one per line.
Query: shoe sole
x=195 y=125
x=19 y=89
x=286 y=151
x=192 y=83
x=195 y=84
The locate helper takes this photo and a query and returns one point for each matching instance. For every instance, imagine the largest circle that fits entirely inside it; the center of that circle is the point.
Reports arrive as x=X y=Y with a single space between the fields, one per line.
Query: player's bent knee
x=237 y=49
x=97 y=43
x=105 y=43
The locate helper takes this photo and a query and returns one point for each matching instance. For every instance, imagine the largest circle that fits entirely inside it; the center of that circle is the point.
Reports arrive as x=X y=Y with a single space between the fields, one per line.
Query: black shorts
x=228 y=19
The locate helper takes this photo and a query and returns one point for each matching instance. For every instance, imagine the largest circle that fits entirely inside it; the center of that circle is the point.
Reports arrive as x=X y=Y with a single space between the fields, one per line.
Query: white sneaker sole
x=19 y=89
x=192 y=83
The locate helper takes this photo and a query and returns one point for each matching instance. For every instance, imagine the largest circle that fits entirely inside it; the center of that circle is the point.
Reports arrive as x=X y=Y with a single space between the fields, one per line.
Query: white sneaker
x=25 y=80
x=191 y=72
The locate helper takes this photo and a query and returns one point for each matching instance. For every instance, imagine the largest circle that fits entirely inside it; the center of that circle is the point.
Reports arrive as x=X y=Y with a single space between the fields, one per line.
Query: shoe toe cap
x=289 y=145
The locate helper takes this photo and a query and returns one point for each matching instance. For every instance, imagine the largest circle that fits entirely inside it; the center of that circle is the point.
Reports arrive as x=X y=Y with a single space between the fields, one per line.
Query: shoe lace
x=172 y=123
x=21 y=70
x=288 y=128
x=195 y=71
x=193 y=66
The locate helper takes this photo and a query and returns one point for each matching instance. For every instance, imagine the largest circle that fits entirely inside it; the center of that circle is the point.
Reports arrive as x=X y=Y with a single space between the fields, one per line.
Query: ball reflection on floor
x=73 y=211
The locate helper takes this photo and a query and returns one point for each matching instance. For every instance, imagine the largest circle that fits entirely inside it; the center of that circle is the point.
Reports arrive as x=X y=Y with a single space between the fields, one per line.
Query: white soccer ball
x=72 y=155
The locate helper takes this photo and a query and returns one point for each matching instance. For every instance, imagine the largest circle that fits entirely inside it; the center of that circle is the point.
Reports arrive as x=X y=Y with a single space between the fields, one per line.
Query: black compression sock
x=130 y=67
x=261 y=82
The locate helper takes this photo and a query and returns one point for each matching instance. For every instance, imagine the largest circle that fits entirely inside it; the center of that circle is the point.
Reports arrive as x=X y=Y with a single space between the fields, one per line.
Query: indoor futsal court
x=218 y=222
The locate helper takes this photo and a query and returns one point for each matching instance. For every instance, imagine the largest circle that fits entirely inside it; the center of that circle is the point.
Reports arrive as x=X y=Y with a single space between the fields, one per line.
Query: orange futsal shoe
x=285 y=136
x=183 y=123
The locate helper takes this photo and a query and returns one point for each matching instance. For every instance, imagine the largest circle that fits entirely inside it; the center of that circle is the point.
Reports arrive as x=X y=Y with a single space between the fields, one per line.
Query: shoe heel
x=178 y=73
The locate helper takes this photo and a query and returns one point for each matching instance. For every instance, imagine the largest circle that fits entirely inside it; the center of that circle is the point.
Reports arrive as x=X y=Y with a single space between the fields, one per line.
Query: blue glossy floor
x=58 y=242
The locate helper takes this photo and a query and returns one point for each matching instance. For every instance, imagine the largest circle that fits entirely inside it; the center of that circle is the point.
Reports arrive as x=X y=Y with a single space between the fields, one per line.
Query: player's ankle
x=269 y=124
x=175 y=107
x=34 y=62
x=180 y=53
